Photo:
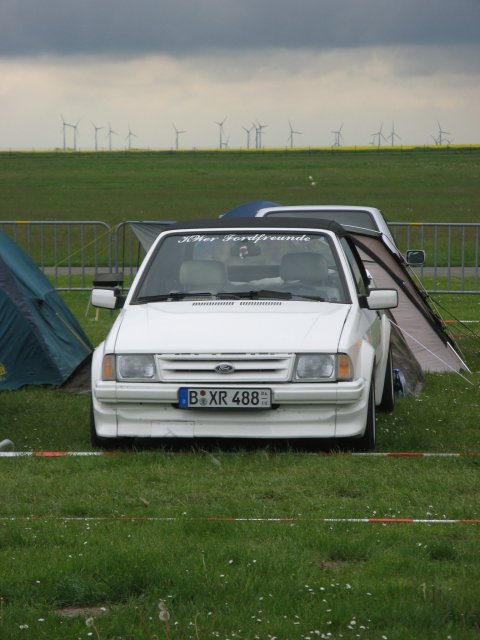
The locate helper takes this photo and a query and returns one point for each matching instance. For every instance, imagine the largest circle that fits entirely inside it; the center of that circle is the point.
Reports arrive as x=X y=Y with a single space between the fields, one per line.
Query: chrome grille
x=255 y=367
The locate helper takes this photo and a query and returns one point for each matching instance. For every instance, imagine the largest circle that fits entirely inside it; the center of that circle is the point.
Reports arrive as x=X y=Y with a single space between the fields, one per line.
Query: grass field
x=431 y=185
x=90 y=546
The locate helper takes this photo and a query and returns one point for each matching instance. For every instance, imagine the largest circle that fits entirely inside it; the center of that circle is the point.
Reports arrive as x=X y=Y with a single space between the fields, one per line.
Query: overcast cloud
x=183 y=27
x=149 y=64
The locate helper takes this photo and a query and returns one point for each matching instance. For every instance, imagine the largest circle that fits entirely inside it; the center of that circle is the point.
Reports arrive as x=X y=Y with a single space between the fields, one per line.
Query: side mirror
x=107 y=298
x=378 y=299
x=415 y=257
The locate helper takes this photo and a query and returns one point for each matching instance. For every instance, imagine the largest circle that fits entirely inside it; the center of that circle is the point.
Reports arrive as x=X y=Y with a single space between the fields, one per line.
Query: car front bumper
x=150 y=410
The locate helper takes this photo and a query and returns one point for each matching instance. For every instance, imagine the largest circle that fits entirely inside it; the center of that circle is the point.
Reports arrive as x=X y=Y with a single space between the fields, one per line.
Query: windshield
x=283 y=265
x=362 y=219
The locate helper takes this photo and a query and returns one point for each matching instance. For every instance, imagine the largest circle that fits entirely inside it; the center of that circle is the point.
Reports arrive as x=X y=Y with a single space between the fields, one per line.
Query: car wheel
x=104 y=443
x=387 y=403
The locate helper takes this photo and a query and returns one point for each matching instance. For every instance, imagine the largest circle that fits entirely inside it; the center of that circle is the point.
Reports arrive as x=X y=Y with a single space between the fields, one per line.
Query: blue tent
x=41 y=341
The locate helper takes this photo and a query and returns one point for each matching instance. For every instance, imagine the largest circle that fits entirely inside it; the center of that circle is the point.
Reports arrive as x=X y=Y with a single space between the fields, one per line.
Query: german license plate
x=224 y=398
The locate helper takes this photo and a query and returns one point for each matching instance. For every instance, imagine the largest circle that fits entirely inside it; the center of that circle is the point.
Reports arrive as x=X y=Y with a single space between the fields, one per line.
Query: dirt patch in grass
x=82 y=612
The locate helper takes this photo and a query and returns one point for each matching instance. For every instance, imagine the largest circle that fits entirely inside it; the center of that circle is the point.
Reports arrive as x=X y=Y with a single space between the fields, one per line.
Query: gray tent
x=147 y=232
x=423 y=330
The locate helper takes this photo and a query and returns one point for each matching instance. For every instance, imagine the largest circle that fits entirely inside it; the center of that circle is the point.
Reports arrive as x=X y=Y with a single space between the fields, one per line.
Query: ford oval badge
x=224 y=367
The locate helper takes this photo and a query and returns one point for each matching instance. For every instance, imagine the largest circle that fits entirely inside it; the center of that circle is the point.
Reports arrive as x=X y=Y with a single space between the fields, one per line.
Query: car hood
x=228 y=327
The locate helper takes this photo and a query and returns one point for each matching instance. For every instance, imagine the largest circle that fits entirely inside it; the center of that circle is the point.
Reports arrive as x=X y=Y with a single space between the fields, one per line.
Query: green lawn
x=431 y=185
x=122 y=533
x=91 y=545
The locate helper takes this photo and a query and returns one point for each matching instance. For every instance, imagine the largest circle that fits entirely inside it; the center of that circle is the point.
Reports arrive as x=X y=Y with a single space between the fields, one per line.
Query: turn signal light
x=108 y=367
x=345 y=368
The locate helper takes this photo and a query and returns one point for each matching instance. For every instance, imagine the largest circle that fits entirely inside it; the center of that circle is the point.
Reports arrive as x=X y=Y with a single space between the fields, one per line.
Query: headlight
x=318 y=367
x=135 y=367
x=129 y=367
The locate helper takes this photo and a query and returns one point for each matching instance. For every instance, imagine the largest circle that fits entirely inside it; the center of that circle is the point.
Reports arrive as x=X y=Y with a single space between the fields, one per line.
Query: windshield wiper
x=254 y=294
x=275 y=294
x=173 y=296
x=303 y=297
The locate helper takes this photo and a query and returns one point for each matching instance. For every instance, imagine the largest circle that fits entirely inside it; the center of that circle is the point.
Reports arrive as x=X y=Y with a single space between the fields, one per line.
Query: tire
x=387 y=402
x=104 y=443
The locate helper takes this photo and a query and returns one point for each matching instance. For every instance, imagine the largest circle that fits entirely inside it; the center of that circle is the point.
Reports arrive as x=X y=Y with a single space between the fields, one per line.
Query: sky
x=162 y=74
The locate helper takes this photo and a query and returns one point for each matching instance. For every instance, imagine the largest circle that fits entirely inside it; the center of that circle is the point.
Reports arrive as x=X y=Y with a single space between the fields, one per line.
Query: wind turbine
x=129 y=137
x=292 y=133
x=258 y=134
x=75 y=133
x=220 y=127
x=97 y=129
x=109 y=136
x=65 y=125
x=379 y=135
x=64 y=129
x=338 y=137
x=248 y=132
x=393 y=135
x=177 y=134
x=441 y=140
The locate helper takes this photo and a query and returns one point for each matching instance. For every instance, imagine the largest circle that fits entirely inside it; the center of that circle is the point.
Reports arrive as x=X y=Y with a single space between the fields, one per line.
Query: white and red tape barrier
x=220 y=519
x=80 y=454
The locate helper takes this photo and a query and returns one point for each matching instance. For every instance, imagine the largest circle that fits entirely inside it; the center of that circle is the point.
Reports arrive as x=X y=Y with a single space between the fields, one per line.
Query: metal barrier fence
x=67 y=252
x=452 y=254
x=72 y=253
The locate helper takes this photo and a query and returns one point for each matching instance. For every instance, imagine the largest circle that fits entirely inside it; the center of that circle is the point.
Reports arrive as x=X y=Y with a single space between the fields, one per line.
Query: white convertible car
x=346 y=215
x=255 y=328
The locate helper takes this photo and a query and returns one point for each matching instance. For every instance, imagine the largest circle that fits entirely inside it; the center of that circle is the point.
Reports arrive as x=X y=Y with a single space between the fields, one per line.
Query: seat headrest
x=202 y=273
x=307 y=267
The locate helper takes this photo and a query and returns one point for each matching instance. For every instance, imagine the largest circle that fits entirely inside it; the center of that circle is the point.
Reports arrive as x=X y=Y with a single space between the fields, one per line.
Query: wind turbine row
x=96 y=129
x=378 y=138
x=223 y=143
x=258 y=134
x=440 y=139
